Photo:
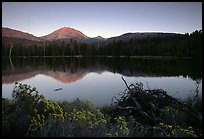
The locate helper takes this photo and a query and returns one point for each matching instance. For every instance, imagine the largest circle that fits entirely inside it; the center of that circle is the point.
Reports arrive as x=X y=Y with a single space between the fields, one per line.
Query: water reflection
x=99 y=79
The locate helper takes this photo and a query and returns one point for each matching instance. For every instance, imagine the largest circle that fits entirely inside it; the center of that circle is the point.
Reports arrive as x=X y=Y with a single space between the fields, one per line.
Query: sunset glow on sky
x=106 y=19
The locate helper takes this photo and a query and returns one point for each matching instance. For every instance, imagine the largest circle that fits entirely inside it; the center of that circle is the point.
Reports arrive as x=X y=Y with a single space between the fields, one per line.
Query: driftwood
x=57 y=89
x=149 y=106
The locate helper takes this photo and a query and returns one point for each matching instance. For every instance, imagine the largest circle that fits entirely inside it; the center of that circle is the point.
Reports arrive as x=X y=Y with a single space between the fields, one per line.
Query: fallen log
x=150 y=107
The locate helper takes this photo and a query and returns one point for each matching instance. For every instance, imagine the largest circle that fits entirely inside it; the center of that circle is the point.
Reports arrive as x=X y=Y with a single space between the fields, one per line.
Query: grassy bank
x=30 y=114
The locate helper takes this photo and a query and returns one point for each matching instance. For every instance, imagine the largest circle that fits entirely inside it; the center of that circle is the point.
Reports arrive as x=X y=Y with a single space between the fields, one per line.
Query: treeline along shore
x=179 y=45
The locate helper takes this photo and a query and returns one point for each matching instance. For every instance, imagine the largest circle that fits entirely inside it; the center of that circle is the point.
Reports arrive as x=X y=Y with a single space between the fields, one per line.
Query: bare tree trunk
x=44 y=49
x=10 y=56
x=44 y=56
x=10 y=49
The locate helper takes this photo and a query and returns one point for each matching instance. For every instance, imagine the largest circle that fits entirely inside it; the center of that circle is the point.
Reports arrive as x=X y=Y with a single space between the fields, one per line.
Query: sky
x=106 y=19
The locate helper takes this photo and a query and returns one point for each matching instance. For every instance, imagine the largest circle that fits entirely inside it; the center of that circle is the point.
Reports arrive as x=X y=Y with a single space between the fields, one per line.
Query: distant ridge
x=7 y=32
x=67 y=33
x=145 y=35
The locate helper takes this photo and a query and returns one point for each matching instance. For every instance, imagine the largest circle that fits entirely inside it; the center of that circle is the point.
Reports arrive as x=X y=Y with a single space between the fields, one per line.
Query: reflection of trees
x=128 y=67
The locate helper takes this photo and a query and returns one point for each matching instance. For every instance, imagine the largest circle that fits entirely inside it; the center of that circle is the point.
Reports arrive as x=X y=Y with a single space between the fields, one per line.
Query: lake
x=99 y=79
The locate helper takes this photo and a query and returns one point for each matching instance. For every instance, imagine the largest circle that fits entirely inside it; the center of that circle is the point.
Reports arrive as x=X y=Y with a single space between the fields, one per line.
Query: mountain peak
x=99 y=38
x=66 y=29
x=65 y=33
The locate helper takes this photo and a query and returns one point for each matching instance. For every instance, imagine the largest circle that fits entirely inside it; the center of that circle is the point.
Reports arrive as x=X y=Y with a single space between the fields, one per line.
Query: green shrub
x=33 y=109
x=173 y=131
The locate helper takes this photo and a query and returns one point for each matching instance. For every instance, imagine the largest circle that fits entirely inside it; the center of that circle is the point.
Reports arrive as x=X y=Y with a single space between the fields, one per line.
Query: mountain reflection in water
x=70 y=70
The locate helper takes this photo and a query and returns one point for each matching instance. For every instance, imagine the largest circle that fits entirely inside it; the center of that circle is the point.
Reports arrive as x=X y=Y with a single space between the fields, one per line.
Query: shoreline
x=102 y=56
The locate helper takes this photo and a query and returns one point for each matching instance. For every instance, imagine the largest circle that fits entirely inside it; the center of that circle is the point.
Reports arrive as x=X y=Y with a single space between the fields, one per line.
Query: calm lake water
x=99 y=79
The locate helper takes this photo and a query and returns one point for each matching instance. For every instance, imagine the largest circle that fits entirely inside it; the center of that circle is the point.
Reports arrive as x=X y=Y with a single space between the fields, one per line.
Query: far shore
x=103 y=56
